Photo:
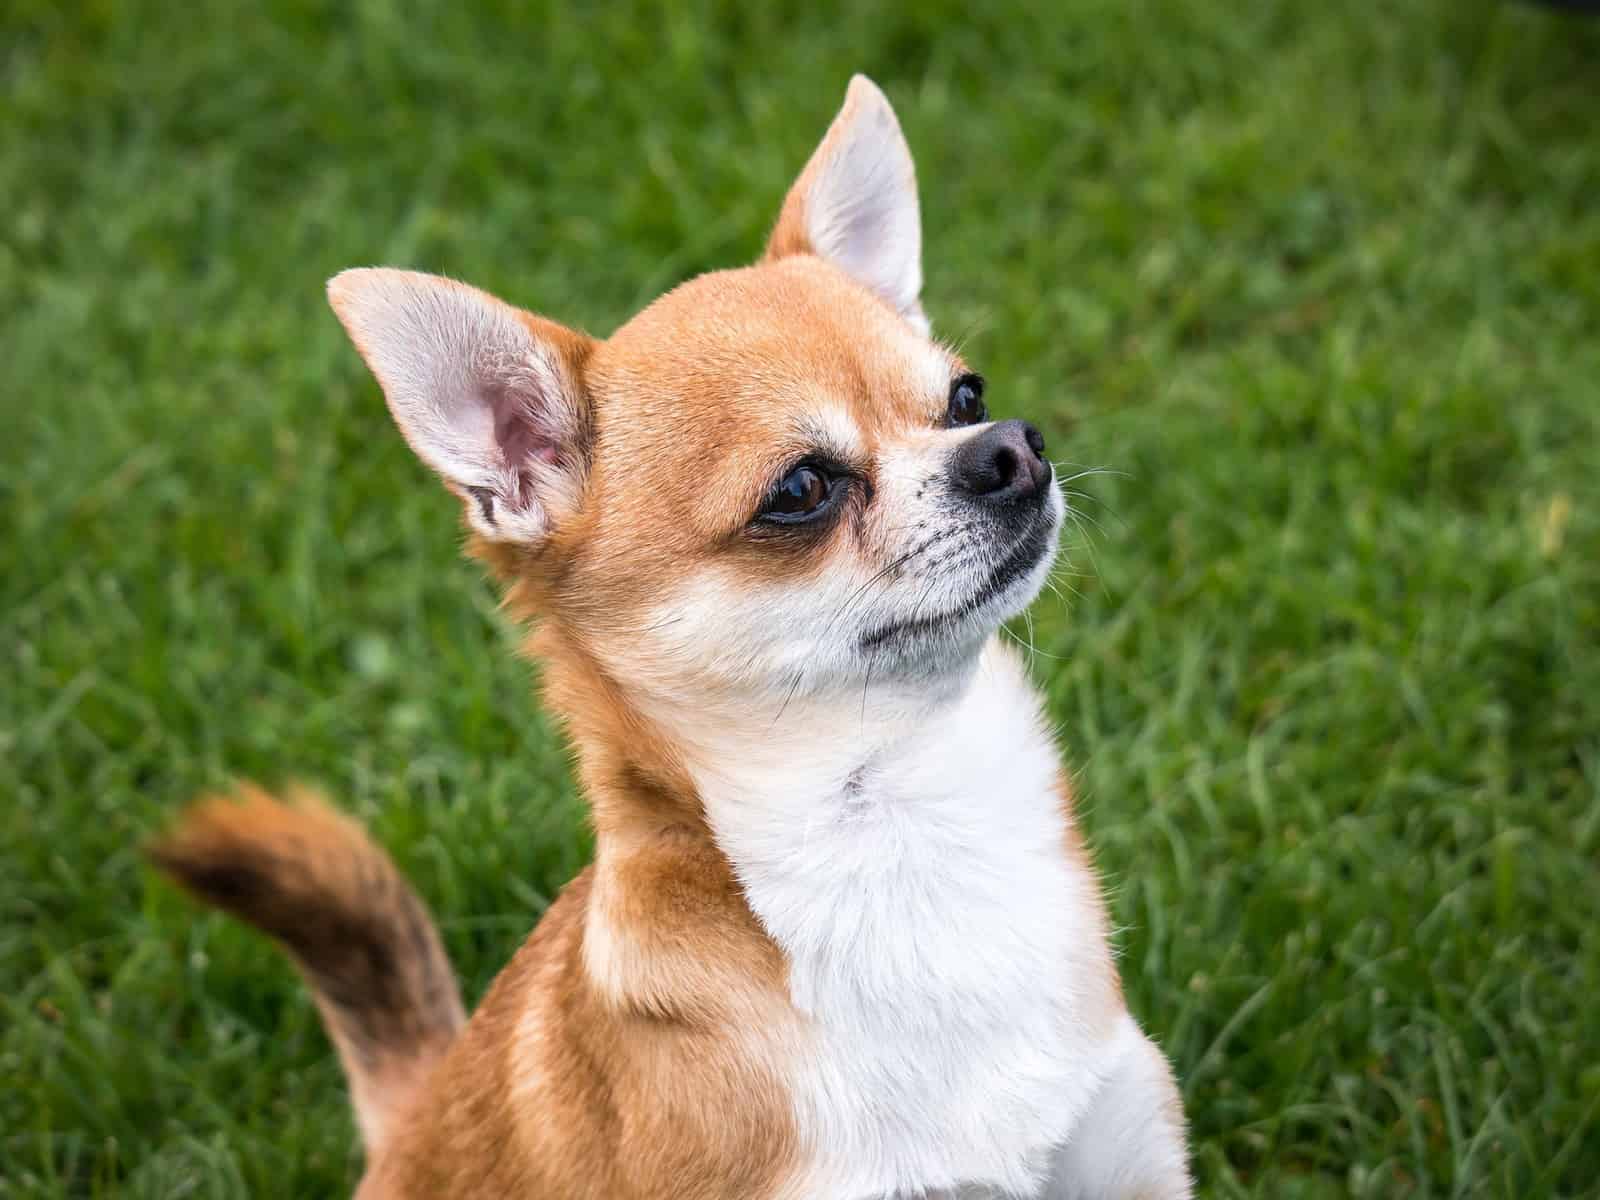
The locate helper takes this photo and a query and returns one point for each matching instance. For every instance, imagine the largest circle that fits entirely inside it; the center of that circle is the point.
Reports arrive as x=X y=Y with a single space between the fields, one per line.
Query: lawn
x=1318 y=285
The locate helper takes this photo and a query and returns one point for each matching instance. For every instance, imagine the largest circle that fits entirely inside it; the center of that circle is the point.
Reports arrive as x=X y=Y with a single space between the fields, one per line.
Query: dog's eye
x=802 y=493
x=966 y=401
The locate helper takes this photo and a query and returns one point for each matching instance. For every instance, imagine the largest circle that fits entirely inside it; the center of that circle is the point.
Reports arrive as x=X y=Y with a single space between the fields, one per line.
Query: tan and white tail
x=362 y=939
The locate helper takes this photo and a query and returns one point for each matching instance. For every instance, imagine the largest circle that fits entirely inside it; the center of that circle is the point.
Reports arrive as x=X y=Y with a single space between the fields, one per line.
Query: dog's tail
x=364 y=942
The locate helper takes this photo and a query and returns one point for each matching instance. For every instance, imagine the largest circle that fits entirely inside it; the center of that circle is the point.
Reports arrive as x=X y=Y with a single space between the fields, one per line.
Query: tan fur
x=556 y=1091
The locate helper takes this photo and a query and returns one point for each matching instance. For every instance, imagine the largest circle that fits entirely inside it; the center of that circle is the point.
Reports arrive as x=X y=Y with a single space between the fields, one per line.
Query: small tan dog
x=841 y=938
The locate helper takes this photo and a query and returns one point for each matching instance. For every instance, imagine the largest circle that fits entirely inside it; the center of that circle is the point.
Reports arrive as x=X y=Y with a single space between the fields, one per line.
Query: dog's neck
x=799 y=749
x=894 y=790
x=866 y=818
x=632 y=744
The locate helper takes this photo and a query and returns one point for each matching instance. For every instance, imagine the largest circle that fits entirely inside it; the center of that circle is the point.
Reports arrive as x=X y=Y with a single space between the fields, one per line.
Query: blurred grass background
x=1322 y=281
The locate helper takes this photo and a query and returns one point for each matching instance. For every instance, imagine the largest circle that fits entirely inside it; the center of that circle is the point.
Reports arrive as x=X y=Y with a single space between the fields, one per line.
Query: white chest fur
x=945 y=951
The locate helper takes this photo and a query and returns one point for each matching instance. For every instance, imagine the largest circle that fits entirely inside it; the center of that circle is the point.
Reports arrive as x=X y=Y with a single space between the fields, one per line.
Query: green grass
x=1322 y=281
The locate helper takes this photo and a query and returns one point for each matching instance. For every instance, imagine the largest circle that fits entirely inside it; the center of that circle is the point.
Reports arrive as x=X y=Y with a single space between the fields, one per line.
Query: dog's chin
x=932 y=642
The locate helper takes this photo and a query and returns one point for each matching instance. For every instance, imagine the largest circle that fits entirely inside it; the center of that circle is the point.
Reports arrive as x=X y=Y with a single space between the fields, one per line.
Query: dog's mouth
x=1019 y=561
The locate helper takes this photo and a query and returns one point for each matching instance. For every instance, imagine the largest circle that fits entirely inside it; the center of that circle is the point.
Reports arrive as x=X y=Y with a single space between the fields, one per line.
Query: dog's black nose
x=1004 y=463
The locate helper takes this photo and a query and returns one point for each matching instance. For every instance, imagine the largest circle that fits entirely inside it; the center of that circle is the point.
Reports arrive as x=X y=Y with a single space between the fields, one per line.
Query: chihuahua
x=841 y=938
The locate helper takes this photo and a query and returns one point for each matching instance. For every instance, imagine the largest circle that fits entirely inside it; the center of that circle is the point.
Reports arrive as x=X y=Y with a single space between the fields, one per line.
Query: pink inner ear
x=522 y=437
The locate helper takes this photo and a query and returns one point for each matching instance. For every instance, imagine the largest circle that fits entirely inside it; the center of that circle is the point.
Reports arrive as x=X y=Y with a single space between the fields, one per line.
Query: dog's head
x=770 y=481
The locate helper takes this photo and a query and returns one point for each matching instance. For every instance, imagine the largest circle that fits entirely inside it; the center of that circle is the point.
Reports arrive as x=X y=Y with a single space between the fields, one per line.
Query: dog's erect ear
x=855 y=204
x=488 y=396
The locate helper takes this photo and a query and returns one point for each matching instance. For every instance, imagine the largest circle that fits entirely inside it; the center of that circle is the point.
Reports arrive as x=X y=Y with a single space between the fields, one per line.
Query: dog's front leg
x=1130 y=1145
